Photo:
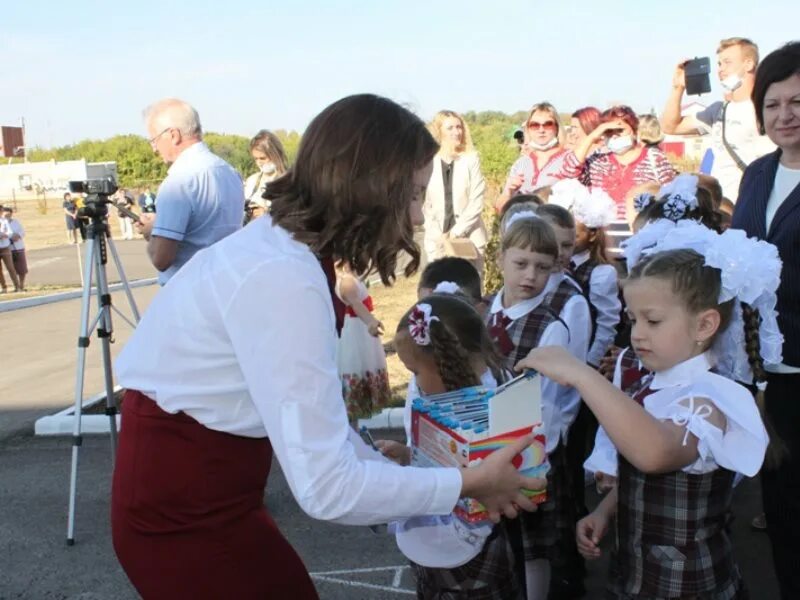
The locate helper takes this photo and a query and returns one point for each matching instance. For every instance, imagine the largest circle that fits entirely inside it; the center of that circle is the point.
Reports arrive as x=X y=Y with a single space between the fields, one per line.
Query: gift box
x=461 y=428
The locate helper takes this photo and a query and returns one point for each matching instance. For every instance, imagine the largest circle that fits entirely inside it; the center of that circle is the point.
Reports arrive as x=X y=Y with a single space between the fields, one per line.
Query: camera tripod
x=98 y=245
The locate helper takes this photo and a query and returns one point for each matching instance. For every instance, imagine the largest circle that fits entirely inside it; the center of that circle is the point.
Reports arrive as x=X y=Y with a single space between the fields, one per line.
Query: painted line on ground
x=393 y=588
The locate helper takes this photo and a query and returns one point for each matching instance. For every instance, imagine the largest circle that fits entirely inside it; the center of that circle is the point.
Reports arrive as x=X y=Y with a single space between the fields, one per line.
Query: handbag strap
x=736 y=158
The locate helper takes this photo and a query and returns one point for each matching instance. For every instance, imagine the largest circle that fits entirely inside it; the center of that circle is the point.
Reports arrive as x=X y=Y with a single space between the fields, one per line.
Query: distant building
x=29 y=179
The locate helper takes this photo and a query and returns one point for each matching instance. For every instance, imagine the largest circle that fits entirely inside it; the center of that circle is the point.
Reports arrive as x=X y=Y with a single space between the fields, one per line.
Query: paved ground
x=59 y=265
x=36 y=564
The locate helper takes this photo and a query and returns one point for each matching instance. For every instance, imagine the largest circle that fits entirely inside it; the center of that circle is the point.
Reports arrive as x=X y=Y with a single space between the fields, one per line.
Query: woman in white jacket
x=454 y=197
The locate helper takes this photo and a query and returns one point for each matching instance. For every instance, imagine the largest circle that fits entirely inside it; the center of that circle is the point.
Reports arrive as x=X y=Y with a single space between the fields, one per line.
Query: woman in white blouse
x=213 y=393
x=454 y=198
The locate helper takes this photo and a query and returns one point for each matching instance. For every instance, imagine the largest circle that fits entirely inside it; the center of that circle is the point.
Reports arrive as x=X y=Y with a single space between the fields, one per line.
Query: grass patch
x=390 y=304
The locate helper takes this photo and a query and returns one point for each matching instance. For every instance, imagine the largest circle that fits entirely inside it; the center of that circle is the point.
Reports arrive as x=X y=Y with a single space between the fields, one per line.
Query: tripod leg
x=124 y=279
x=83 y=343
x=105 y=330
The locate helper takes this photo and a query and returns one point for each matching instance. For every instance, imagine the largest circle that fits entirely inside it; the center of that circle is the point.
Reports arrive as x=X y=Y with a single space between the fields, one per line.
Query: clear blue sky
x=77 y=69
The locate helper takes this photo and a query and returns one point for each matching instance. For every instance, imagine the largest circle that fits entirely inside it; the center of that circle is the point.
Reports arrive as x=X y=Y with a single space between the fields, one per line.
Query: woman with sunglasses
x=543 y=156
x=625 y=163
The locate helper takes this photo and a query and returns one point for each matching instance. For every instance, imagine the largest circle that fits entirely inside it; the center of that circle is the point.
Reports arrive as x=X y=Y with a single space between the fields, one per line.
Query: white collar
x=580 y=258
x=186 y=155
x=682 y=373
x=520 y=309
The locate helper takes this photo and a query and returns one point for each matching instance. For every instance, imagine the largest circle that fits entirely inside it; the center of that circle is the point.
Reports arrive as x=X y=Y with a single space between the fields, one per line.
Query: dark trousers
x=780 y=487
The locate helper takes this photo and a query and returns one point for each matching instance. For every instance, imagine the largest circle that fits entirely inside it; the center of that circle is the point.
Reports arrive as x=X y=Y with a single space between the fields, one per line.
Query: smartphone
x=367 y=437
x=698 y=72
x=128 y=212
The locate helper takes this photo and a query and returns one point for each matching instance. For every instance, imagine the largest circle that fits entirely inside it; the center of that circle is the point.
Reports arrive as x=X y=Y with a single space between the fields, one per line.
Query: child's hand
x=498 y=485
x=590 y=530
x=554 y=362
x=394 y=451
x=515 y=182
x=609 y=362
x=375 y=328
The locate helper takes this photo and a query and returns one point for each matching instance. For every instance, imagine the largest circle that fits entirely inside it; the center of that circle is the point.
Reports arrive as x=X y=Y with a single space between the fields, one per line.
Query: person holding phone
x=731 y=122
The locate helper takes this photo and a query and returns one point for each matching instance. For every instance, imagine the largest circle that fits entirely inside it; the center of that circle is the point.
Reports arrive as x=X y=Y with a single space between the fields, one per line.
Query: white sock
x=537 y=578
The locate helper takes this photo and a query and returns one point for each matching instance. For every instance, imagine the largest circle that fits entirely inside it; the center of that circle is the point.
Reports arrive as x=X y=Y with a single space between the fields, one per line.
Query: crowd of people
x=668 y=356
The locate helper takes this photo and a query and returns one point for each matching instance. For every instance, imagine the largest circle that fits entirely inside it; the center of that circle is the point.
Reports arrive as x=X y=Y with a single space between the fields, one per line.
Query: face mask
x=540 y=147
x=731 y=82
x=620 y=144
x=268 y=169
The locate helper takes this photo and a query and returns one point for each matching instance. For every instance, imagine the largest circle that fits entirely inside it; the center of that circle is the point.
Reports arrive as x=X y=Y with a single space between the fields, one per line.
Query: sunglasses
x=536 y=126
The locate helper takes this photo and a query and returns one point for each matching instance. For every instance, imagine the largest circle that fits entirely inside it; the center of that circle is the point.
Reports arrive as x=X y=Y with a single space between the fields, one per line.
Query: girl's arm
x=652 y=446
x=348 y=288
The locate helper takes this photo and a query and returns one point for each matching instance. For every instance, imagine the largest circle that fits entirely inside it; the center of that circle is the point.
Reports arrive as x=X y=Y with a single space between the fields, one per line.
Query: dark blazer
x=784 y=232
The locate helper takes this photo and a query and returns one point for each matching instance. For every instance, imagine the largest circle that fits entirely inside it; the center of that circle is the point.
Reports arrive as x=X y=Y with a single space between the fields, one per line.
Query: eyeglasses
x=536 y=126
x=153 y=139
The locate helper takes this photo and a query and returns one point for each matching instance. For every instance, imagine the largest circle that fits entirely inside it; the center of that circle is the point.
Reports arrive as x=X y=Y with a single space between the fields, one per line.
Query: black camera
x=97 y=196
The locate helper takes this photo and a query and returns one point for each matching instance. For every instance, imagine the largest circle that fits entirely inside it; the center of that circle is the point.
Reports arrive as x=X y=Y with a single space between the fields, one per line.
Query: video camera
x=97 y=196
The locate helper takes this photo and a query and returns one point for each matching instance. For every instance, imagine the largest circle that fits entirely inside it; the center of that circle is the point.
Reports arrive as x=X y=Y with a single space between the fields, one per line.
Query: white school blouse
x=559 y=404
x=243 y=340
x=604 y=296
x=739 y=448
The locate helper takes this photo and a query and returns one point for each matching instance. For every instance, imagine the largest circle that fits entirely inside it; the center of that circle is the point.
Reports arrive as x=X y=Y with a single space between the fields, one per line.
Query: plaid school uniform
x=550 y=531
x=583 y=275
x=488 y=576
x=672 y=533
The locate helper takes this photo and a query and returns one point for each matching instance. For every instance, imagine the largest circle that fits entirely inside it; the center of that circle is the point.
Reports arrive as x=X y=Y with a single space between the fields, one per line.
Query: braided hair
x=777 y=449
x=457 y=337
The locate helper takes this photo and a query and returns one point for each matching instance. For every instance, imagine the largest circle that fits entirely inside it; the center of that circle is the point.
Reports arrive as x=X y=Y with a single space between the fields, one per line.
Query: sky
x=76 y=70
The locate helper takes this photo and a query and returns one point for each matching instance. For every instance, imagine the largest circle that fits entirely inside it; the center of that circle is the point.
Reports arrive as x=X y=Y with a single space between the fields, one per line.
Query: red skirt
x=187 y=511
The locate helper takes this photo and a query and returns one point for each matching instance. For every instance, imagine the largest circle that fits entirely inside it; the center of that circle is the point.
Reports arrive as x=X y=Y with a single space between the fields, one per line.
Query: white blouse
x=604 y=296
x=243 y=340
x=740 y=447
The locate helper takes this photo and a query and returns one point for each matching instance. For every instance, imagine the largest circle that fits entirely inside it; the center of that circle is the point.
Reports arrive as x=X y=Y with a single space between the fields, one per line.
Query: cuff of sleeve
x=446 y=492
x=168 y=233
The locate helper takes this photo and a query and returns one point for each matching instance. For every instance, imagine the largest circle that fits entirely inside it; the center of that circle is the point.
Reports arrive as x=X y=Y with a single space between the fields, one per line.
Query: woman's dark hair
x=458 y=270
x=457 y=337
x=777 y=66
x=348 y=193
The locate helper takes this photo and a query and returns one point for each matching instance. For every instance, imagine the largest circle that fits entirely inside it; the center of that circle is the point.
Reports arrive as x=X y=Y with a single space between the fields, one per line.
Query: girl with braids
x=527 y=313
x=442 y=340
x=687 y=427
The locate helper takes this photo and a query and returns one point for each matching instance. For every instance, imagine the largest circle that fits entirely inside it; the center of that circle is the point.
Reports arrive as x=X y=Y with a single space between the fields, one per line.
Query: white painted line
x=394 y=587
x=63 y=421
x=10 y=305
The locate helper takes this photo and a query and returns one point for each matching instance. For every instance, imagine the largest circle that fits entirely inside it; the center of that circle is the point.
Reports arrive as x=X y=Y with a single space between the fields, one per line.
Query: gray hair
x=171 y=112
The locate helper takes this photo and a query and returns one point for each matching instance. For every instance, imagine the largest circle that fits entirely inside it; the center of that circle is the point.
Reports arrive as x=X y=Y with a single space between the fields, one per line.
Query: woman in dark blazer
x=769 y=208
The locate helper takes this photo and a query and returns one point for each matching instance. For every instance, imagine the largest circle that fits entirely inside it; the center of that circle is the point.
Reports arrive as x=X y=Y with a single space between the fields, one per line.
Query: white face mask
x=268 y=169
x=731 y=82
x=620 y=144
x=542 y=147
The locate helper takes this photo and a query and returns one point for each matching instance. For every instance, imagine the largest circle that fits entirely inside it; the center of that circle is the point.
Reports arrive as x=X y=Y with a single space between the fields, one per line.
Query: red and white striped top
x=603 y=170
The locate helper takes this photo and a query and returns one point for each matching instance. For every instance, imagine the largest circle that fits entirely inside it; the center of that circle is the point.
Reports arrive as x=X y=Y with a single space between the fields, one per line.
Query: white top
x=5 y=228
x=604 y=296
x=786 y=180
x=243 y=340
x=441 y=541
x=199 y=203
x=255 y=186
x=17 y=229
x=741 y=131
x=559 y=403
x=740 y=448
